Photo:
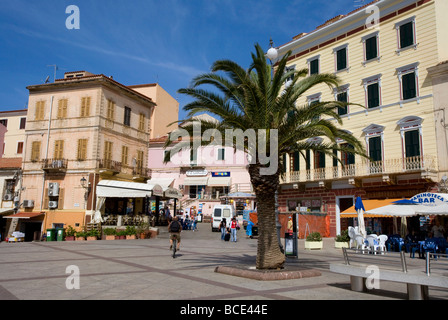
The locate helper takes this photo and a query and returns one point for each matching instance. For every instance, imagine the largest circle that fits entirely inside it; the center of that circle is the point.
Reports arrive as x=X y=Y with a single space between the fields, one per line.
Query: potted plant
x=314 y=241
x=70 y=233
x=121 y=234
x=92 y=235
x=131 y=233
x=110 y=233
x=81 y=235
x=143 y=231
x=342 y=240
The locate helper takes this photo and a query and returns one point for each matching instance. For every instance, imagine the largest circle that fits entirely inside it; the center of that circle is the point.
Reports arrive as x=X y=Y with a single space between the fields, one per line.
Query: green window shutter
x=412 y=143
x=314 y=66
x=342 y=97
x=375 y=150
x=341 y=59
x=406 y=35
x=408 y=86
x=296 y=161
x=371 y=48
x=373 y=95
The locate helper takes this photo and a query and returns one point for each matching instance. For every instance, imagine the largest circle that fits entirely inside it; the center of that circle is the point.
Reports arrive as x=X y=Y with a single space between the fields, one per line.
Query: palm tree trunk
x=269 y=255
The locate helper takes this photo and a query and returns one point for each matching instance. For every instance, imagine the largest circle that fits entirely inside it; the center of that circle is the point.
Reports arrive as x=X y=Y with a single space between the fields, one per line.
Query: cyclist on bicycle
x=175 y=228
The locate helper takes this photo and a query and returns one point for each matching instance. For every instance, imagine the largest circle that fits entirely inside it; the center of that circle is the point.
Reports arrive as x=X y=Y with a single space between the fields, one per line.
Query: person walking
x=223 y=226
x=233 y=229
x=249 y=227
x=195 y=223
x=175 y=228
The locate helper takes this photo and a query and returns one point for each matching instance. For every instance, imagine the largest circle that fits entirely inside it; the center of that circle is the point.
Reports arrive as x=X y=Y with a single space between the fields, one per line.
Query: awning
x=5 y=211
x=195 y=181
x=240 y=195
x=172 y=193
x=219 y=181
x=25 y=215
x=123 y=189
x=368 y=205
x=165 y=183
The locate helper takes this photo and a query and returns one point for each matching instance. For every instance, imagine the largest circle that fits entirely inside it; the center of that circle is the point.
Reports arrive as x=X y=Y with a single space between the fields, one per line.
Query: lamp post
x=86 y=185
x=272 y=54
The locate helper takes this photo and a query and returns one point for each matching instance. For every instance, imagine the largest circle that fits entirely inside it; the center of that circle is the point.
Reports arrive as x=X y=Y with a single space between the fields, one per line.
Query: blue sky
x=143 y=41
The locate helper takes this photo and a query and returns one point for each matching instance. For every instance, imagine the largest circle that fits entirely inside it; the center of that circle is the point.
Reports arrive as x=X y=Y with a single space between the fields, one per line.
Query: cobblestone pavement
x=145 y=270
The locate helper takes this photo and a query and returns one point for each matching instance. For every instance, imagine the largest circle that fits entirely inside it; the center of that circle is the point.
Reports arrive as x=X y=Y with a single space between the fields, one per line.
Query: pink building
x=210 y=176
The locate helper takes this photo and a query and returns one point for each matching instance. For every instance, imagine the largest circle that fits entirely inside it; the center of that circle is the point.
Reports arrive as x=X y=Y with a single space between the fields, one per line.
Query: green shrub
x=110 y=231
x=343 y=237
x=314 y=236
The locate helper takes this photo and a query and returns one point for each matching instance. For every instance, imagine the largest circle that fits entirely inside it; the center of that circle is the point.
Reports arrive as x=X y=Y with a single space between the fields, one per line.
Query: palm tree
x=257 y=99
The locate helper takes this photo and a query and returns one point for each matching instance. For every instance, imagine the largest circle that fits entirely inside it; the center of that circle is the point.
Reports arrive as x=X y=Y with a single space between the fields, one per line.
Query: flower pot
x=121 y=238
x=142 y=235
x=340 y=245
x=80 y=239
x=314 y=245
x=70 y=238
x=131 y=237
x=92 y=238
x=111 y=237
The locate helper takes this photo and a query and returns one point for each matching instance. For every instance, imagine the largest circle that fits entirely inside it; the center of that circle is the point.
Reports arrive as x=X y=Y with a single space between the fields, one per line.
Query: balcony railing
x=143 y=172
x=366 y=168
x=110 y=165
x=54 y=164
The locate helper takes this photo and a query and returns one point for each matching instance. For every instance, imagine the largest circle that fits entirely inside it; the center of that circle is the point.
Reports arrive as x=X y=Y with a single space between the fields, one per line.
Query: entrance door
x=342 y=203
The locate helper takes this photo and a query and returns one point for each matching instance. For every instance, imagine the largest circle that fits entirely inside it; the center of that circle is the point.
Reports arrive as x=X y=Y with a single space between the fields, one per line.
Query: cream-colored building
x=80 y=130
x=383 y=53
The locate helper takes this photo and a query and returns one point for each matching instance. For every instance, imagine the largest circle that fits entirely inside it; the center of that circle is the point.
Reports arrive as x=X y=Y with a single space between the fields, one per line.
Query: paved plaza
x=145 y=270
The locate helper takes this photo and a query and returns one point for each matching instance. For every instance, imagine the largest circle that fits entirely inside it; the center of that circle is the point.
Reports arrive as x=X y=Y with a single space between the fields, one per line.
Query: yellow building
x=80 y=130
x=382 y=53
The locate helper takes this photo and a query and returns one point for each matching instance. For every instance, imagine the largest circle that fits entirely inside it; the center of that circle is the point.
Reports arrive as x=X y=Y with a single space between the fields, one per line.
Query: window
x=62 y=109
x=371 y=48
x=406 y=34
x=294 y=159
x=196 y=192
x=124 y=155
x=341 y=57
x=20 y=147
x=4 y=122
x=313 y=65
x=374 y=142
x=140 y=156
x=40 y=110
x=108 y=150
x=312 y=100
x=411 y=135
x=372 y=88
x=110 y=110
x=22 y=123
x=82 y=149
x=59 y=149
x=193 y=156
x=342 y=97
x=35 y=151
x=319 y=163
x=221 y=154
x=141 y=122
x=85 y=106
x=347 y=160
x=408 y=78
x=127 y=116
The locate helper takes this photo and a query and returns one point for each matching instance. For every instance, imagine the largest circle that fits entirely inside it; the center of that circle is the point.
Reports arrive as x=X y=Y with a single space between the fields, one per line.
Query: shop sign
x=196 y=173
x=157 y=191
x=221 y=174
x=429 y=198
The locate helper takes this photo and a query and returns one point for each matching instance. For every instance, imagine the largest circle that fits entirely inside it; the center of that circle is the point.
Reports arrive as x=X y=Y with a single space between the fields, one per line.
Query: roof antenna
x=55 y=69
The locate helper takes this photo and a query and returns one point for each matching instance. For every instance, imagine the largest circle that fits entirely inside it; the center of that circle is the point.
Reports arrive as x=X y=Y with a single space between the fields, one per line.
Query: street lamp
x=272 y=54
x=86 y=185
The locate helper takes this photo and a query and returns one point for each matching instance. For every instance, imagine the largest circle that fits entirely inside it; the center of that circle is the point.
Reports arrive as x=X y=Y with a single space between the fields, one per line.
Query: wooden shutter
x=62 y=109
x=373 y=95
x=61 y=199
x=59 y=149
x=85 y=106
x=110 y=110
x=141 y=123
x=108 y=150
x=409 y=87
x=406 y=35
x=82 y=149
x=371 y=48
x=124 y=155
x=35 y=151
x=341 y=56
x=40 y=110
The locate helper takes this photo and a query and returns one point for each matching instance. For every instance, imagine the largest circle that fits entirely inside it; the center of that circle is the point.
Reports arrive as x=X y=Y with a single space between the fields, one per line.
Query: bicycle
x=174 y=245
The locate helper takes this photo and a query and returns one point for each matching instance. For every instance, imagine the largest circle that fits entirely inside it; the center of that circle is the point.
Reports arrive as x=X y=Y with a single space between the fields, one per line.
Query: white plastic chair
x=352 y=235
x=373 y=242
x=360 y=242
x=382 y=240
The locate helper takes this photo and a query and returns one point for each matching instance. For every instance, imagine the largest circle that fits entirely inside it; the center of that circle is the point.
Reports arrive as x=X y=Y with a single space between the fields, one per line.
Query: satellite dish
x=47 y=79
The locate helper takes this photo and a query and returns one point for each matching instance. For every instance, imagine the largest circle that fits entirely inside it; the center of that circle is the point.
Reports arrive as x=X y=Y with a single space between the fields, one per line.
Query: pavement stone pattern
x=145 y=270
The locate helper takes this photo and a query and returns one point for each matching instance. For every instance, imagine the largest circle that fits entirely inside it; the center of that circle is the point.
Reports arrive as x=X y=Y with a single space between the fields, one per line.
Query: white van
x=221 y=211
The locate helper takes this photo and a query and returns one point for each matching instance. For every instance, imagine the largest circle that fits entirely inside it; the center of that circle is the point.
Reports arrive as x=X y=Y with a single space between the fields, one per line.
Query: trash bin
x=51 y=234
x=60 y=234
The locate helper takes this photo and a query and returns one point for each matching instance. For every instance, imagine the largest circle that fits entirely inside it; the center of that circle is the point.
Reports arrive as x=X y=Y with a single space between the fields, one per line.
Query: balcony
x=142 y=172
x=54 y=165
x=109 y=166
x=425 y=165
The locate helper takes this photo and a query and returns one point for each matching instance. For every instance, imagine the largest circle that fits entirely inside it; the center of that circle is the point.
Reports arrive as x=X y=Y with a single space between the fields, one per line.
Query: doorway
x=342 y=203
